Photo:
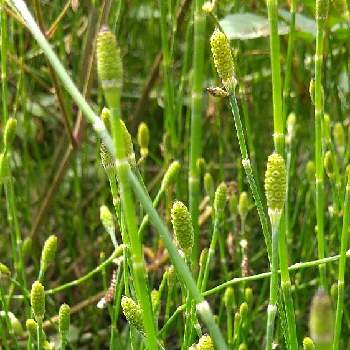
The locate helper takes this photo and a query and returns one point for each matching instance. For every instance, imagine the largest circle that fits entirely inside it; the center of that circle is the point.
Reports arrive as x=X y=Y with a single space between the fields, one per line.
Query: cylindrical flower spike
x=209 y=185
x=243 y=205
x=182 y=225
x=220 y=198
x=10 y=132
x=133 y=313
x=143 y=138
x=223 y=60
x=204 y=343
x=308 y=344
x=32 y=327
x=248 y=295
x=37 y=299
x=321 y=321
x=49 y=252
x=109 y=66
x=171 y=174
x=64 y=320
x=275 y=183
x=229 y=297
x=322 y=8
x=328 y=164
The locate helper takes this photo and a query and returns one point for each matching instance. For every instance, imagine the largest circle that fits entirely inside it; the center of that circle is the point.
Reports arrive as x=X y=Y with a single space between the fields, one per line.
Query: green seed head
x=182 y=225
x=242 y=347
x=109 y=66
x=107 y=219
x=328 y=164
x=204 y=343
x=243 y=310
x=203 y=257
x=248 y=295
x=237 y=320
x=275 y=182
x=64 y=319
x=322 y=7
x=4 y=270
x=32 y=327
x=106 y=118
x=310 y=171
x=220 y=198
x=10 y=132
x=243 y=205
x=143 y=138
x=339 y=138
x=171 y=174
x=37 y=299
x=133 y=313
x=321 y=321
x=209 y=185
x=155 y=298
x=223 y=60
x=291 y=122
x=49 y=251
x=308 y=344
x=327 y=128
x=27 y=247
x=229 y=297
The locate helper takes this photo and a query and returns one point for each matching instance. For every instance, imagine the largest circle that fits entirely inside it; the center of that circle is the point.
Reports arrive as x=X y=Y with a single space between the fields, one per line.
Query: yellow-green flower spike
x=308 y=344
x=4 y=270
x=243 y=205
x=182 y=225
x=143 y=139
x=10 y=132
x=328 y=164
x=109 y=66
x=229 y=297
x=32 y=327
x=321 y=321
x=107 y=160
x=243 y=310
x=242 y=347
x=209 y=185
x=339 y=138
x=27 y=247
x=37 y=300
x=322 y=8
x=155 y=299
x=133 y=313
x=108 y=223
x=275 y=182
x=171 y=174
x=220 y=198
x=204 y=343
x=248 y=295
x=64 y=320
x=49 y=252
x=223 y=60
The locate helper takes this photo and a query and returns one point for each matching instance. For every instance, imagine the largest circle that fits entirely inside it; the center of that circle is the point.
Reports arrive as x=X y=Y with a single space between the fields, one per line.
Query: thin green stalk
x=250 y=175
x=272 y=308
x=196 y=121
x=39 y=337
x=342 y=265
x=202 y=305
x=4 y=43
x=319 y=103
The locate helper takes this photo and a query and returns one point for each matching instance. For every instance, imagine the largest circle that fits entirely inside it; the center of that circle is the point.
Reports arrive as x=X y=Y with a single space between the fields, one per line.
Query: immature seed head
x=248 y=295
x=209 y=185
x=37 y=299
x=243 y=310
x=133 y=313
x=328 y=164
x=10 y=132
x=223 y=60
x=220 y=198
x=4 y=270
x=32 y=327
x=182 y=225
x=109 y=66
x=339 y=138
x=243 y=205
x=204 y=343
x=242 y=347
x=171 y=174
x=143 y=138
x=308 y=344
x=322 y=7
x=155 y=299
x=64 y=320
x=321 y=321
x=107 y=219
x=49 y=252
x=275 y=182
x=229 y=297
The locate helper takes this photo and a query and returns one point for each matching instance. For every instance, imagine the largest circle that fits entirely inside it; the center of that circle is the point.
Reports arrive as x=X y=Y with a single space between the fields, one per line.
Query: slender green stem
x=319 y=103
x=40 y=335
x=272 y=307
x=342 y=265
x=196 y=121
x=250 y=175
x=202 y=305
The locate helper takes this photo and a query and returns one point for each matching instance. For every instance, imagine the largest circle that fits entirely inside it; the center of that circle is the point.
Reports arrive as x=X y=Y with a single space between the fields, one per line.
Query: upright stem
x=342 y=264
x=250 y=175
x=319 y=103
x=196 y=121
